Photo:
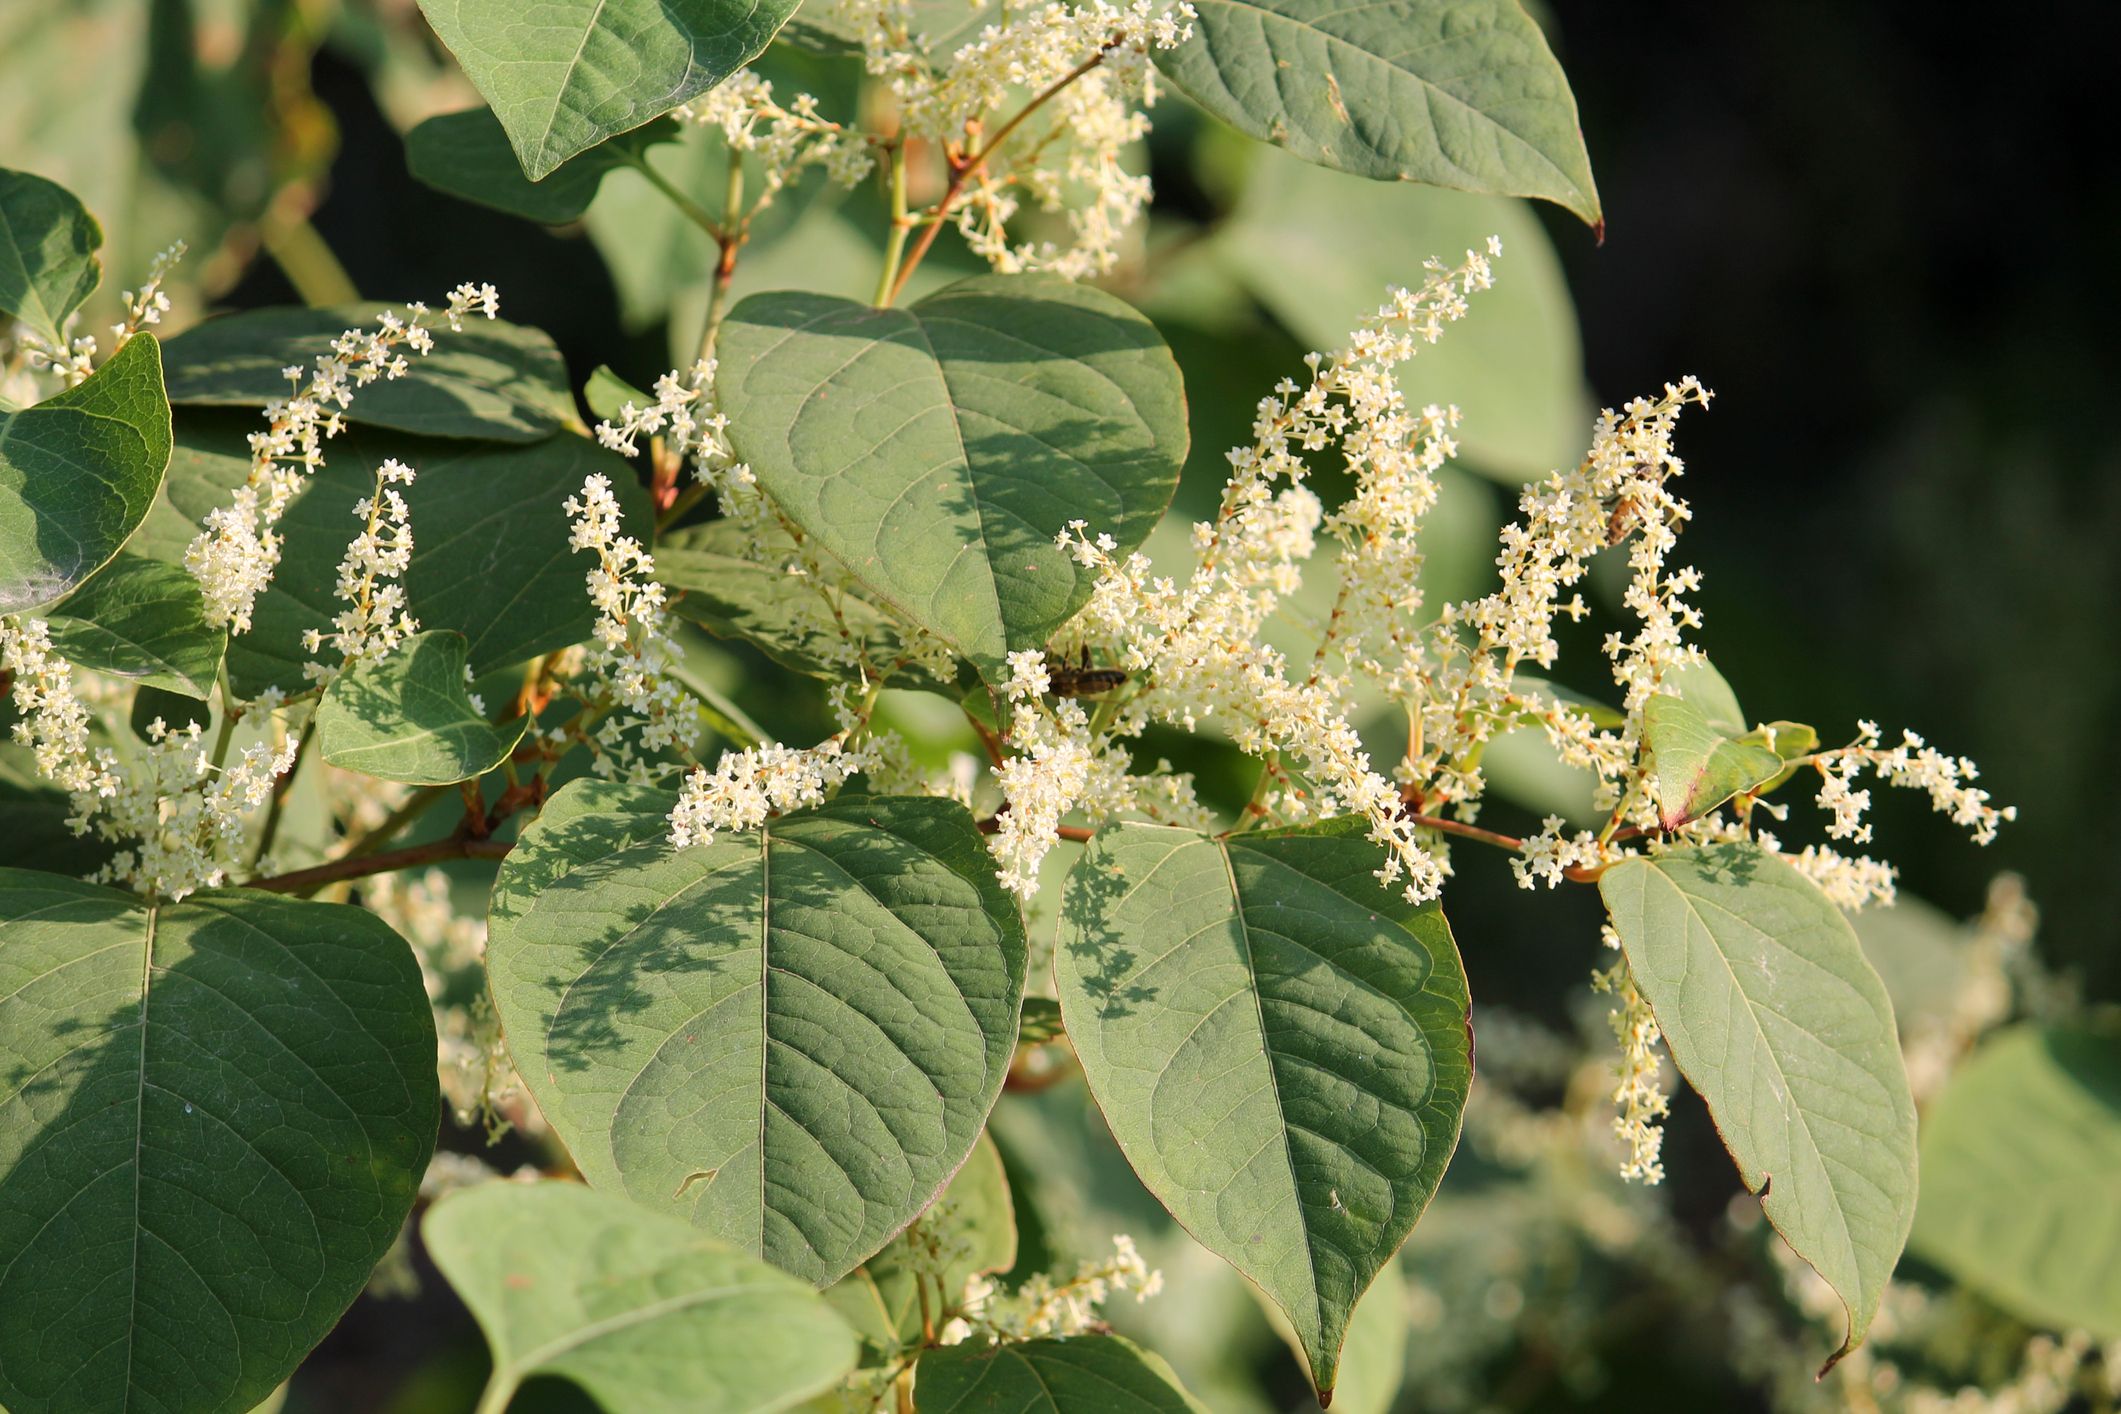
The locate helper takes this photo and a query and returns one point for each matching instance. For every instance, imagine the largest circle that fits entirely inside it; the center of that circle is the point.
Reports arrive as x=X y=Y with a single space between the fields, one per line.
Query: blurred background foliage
x=1885 y=240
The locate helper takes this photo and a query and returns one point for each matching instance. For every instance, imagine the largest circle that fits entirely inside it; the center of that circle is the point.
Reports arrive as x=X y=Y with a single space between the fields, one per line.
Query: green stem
x=692 y=210
x=229 y=712
x=499 y=1390
x=281 y=787
x=308 y=263
x=901 y=223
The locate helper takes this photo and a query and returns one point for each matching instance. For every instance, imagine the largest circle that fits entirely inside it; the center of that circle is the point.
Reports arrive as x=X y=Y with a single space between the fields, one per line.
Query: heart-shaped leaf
x=1694 y=767
x=48 y=245
x=467 y=155
x=1461 y=94
x=141 y=619
x=938 y=451
x=791 y=1038
x=78 y=473
x=409 y=716
x=1773 y=1014
x=490 y=559
x=2020 y=1155
x=214 y=1116
x=641 y=1311
x=1280 y=1045
x=1091 y=1374
x=565 y=75
x=492 y=380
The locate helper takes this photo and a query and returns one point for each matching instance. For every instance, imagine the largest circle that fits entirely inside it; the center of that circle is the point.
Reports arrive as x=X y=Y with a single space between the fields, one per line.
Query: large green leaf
x=565 y=75
x=1773 y=1014
x=1693 y=766
x=791 y=1038
x=409 y=716
x=214 y=1116
x=491 y=557
x=733 y=595
x=2021 y=1176
x=971 y=1228
x=641 y=1311
x=77 y=474
x=1280 y=1045
x=492 y=380
x=467 y=154
x=1091 y=1374
x=141 y=619
x=48 y=245
x=937 y=451
x=1319 y=249
x=1453 y=93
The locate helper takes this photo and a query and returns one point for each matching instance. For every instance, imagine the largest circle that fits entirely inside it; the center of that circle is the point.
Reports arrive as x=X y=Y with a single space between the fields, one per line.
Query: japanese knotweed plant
x=766 y=992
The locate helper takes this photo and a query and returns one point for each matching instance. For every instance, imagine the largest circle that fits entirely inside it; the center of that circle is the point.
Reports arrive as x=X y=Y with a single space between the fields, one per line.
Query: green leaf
x=493 y=380
x=1319 y=248
x=1775 y=1017
x=175 y=710
x=563 y=77
x=491 y=557
x=791 y=1038
x=77 y=474
x=1280 y=1045
x=2019 y=1160
x=607 y=393
x=213 y=1120
x=937 y=451
x=1090 y=1374
x=467 y=155
x=141 y=619
x=1693 y=767
x=48 y=245
x=732 y=595
x=974 y=1223
x=1460 y=94
x=640 y=1311
x=1709 y=690
x=409 y=717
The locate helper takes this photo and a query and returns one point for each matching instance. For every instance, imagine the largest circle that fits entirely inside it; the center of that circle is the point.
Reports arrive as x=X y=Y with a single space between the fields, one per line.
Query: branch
x=1471 y=832
x=303 y=881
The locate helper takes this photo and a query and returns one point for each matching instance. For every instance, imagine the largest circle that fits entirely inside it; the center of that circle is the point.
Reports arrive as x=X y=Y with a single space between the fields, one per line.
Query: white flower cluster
x=186 y=821
x=1197 y=647
x=1618 y=492
x=1089 y=64
x=144 y=309
x=51 y=720
x=1640 y=1094
x=695 y=431
x=783 y=140
x=633 y=655
x=375 y=619
x=180 y=819
x=1914 y=765
x=747 y=788
x=234 y=555
x=1042 y=1307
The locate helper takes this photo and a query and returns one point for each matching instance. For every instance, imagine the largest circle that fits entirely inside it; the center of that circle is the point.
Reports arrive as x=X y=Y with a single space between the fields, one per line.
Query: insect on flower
x=1081 y=679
